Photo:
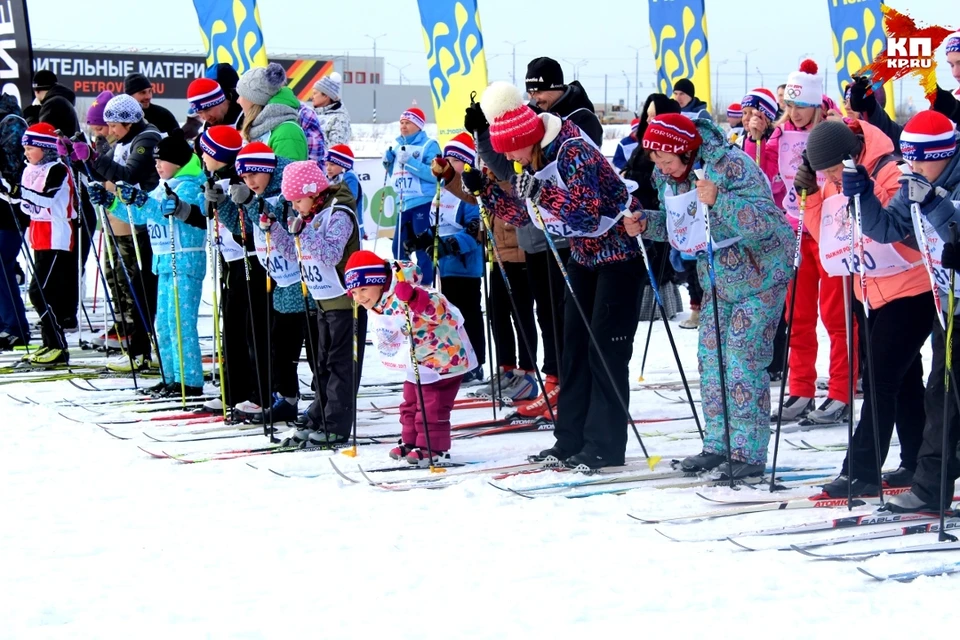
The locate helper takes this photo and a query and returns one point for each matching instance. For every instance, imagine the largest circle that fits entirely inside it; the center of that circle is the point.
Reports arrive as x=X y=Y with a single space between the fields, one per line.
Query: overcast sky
x=601 y=32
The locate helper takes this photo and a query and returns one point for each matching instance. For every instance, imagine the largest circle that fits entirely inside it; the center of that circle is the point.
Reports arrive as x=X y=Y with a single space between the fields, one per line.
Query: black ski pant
x=549 y=292
x=287 y=335
x=50 y=294
x=926 y=480
x=245 y=333
x=504 y=320
x=465 y=295
x=898 y=330
x=333 y=407
x=779 y=346
x=693 y=284
x=590 y=416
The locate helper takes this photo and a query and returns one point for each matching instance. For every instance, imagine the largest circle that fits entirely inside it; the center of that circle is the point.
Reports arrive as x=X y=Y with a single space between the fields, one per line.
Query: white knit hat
x=330 y=86
x=804 y=87
x=124 y=109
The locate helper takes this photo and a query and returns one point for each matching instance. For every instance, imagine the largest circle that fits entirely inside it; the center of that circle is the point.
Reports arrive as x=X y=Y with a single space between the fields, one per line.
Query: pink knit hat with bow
x=304 y=179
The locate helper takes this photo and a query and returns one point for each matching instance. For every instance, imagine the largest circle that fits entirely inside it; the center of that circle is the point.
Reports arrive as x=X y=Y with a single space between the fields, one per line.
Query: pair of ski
x=233 y=454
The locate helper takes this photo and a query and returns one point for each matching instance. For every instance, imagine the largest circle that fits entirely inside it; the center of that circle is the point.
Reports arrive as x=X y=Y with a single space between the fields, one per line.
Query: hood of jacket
x=662 y=104
x=418 y=139
x=575 y=97
x=276 y=179
x=58 y=90
x=715 y=143
x=950 y=178
x=191 y=170
x=138 y=129
x=283 y=107
x=555 y=137
x=876 y=144
x=342 y=193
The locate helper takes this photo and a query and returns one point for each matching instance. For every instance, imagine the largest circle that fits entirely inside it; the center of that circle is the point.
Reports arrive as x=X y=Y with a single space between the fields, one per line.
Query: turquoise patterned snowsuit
x=752 y=276
x=191 y=268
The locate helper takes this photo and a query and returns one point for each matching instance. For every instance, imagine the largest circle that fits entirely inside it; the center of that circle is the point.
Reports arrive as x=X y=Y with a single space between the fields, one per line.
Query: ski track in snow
x=100 y=541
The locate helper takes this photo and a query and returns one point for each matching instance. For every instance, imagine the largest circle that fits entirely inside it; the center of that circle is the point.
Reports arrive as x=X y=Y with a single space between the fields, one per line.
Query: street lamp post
x=399 y=71
x=716 y=92
x=746 y=55
x=760 y=73
x=375 y=69
x=514 y=48
x=576 y=67
x=627 y=78
x=636 y=76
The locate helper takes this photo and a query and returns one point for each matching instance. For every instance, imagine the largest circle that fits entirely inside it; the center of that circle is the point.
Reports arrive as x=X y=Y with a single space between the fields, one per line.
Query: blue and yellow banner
x=455 y=57
x=678 y=33
x=858 y=38
x=231 y=33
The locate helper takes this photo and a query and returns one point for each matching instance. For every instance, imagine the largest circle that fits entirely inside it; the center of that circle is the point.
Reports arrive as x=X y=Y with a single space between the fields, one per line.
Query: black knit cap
x=830 y=143
x=685 y=85
x=175 y=150
x=44 y=79
x=544 y=74
x=135 y=82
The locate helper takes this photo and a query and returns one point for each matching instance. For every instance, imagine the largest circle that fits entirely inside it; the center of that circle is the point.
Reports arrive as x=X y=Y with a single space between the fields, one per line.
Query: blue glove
x=389 y=156
x=172 y=205
x=99 y=195
x=129 y=194
x=857 y=183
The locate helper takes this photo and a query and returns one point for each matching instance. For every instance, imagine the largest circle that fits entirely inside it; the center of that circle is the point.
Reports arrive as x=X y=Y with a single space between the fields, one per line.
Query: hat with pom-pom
x=303 y=179
x=221 y=142
x=804 y=87
x=735 y=111
x=461 y=147
x=123 y=109
x=41 y=135
x=341 y=155
x=364 y=269
x=513 y=125
x=928 y=136
x=414 y=115
x=330 y=86
x=260 y=84
x=256 y=157
x=763 y=101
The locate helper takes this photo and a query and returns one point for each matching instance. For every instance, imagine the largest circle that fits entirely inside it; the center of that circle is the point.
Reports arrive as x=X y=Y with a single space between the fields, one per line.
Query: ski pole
x=321 y=393
x=268 y=424
x=352 y=451
x=850 y=165
x=24 y=331
x=786 y=347
x=651 y=461
x=253 y=324
x=666 y=324
x=490 y=313
x=711 y=271
x=176 y=296
x=948 y=371
x=416 y=375
x=151 y=333
x=659 y=300
x=383 y=203
x=487 y=225
x=212 y=251
x=436 y=235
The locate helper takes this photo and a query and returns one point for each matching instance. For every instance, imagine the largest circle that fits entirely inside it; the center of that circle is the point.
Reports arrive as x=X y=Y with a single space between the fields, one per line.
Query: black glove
x=103 y=146
x=947 y=104
x=862 y=97
x=526 y=186
x=950 y=258
x=423 y=242
x=448 y=247
x=806 y=177
x=474 y=181
x=474 y=120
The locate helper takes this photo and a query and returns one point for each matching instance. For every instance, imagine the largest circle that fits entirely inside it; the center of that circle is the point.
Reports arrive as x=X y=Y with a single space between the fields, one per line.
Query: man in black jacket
x=690 y=105
x=58 y=105
x=141 y=89
x=548 y=93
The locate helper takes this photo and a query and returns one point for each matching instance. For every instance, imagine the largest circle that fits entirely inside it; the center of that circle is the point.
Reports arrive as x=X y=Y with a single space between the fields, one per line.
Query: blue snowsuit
x=191 y=267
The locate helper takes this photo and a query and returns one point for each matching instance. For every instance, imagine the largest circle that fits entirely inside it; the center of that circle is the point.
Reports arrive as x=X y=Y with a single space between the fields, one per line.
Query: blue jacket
x=621 y=156
x=419 y=167
x=192 y=257
x=354 y=183
x=460 y=254
x=893 y=223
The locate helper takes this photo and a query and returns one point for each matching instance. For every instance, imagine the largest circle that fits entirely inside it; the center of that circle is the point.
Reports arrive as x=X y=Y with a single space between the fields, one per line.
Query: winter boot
x=693 y=322
x=703 y=461
x=794 y=408
x=838 y=488
x=908 y=502
x=401 y=451
x=30 y=356
x=552 y=456
x=249 y=410
x=829 y=413
x=522 y=387
x=324 y=439
x=157 y=389
x=297 y=438
x=899 y=478
x=739 y=470
x=539 y=406
x=174 y=390
x=282 y=410
x=121 y=364
x=585 y=462
x=213 y=406
x=49 y=358
x=421 y=457
x=502 y=381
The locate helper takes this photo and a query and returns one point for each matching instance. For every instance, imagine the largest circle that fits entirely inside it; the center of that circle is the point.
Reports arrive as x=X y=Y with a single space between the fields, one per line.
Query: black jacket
x=639 y=166
x=59 y=109
x=161 y=118
x=696 y=108
x=140 y=168
x=947 y=104
x=575 y=105
x=12 y=127
x=234 y=117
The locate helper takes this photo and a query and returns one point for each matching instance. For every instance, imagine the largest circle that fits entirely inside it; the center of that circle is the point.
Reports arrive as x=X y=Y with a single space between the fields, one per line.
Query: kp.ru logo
x=909 y=53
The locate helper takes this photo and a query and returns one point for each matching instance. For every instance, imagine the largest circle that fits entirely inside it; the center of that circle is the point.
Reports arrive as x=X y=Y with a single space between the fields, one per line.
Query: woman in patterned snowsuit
x=752 y=246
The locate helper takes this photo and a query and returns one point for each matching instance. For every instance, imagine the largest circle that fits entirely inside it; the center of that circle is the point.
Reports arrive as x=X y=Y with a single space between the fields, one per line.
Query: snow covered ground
x=99 y=540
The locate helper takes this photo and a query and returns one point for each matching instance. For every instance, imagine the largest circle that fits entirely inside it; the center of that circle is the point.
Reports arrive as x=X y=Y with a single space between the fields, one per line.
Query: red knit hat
x=634 y=125
x=221 y=142
x=364 y=269
x=256 y=157
x=303 y=179
x=414 y=115
x=735 y=110
x=341 y=155
x=513 y=125
x=672 y=133
x=41 y=135
x=462 y=148
x=928 y=136
x=204 y=93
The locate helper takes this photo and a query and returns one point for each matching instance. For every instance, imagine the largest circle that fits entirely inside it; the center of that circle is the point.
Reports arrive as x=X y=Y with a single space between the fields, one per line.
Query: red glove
x=405 y=292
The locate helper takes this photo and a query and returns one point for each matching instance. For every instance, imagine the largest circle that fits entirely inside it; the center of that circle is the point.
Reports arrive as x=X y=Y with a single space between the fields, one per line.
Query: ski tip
x=867 y=573
x=643 y=520
x=739 y=544
x=668 y=537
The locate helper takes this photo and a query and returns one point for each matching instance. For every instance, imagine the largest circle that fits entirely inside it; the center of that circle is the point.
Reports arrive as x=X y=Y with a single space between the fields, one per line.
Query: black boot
x=899 y=478
x=553 y=455
x=838 y=488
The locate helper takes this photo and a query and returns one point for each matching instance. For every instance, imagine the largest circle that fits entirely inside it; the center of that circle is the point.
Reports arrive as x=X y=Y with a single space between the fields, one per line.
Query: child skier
x=323 y=217
x=340 y=168
x=48 y=195
x=164 y=210
x=441 y=348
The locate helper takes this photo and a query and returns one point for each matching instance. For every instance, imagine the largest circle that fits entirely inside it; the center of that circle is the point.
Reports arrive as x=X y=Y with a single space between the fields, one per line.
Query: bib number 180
x=868 y=262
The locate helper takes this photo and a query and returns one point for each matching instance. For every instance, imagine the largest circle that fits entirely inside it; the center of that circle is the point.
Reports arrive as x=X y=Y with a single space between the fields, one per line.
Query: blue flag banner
x=678 y=33
x=231 y=33
x=455 y=59
x=858 y=38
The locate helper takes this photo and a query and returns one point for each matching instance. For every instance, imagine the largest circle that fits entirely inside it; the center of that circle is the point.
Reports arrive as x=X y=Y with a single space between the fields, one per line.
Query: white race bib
x=940 y=275
x=792 y=145
x=323 y=281
x=836 y=226
x=284 y=272
x=449 y=205
x=230 y=249
x=404 y=182
x=686 y=223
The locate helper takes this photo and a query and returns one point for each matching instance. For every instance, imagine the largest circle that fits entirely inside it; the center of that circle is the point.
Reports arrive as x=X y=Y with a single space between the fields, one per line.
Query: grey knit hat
x=260 y=84
x=830 y=143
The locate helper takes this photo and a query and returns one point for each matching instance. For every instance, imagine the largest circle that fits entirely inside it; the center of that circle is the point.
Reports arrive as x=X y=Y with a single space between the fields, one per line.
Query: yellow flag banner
x=455 y=57
x=232 y=33
x=678 y=32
